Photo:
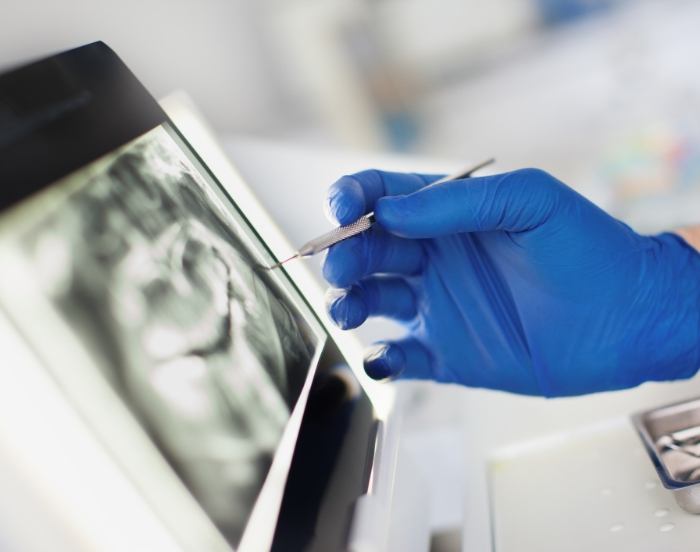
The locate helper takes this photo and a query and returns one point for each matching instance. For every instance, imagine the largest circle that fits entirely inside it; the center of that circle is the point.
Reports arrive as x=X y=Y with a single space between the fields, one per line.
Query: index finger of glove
x=353 y=195
x=374 y=251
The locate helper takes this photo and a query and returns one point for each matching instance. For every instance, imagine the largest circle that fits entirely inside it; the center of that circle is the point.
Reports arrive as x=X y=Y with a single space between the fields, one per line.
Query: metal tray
x=671 y=436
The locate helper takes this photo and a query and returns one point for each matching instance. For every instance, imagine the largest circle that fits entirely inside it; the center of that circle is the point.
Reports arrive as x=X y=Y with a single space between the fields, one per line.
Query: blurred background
x=603 y=93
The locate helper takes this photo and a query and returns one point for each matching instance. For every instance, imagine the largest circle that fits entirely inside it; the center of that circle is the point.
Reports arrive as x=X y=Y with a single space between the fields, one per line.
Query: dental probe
x=363 y=223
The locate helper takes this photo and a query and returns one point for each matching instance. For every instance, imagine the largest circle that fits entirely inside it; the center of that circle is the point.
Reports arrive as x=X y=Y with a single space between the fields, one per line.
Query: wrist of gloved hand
x=675 y=328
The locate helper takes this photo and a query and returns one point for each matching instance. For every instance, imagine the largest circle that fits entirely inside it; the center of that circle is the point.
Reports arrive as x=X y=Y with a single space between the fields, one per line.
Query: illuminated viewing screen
x=158 y=275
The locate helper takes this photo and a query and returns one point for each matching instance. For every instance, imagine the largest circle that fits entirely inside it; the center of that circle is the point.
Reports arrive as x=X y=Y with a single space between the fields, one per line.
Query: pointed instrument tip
x=279 y=264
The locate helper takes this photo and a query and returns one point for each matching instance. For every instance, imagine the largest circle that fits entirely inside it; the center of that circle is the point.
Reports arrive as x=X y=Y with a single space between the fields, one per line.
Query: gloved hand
x=512 y=282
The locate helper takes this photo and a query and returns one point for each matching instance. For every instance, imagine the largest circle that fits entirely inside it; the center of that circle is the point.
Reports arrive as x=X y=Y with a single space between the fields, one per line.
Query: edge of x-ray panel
x=187 y=119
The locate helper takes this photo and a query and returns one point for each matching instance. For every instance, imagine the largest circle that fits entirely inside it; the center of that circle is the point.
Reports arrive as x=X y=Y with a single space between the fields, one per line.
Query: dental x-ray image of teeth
x=207 y=350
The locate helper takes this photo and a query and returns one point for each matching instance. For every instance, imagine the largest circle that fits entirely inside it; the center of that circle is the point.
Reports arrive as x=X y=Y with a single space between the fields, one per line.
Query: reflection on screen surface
x=207 y=350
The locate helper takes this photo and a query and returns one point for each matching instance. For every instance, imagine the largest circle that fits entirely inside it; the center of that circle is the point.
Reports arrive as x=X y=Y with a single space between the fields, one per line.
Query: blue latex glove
x=512 y=282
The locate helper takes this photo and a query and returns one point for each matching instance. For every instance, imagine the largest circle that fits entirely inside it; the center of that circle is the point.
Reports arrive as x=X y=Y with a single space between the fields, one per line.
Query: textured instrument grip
x=337 y=235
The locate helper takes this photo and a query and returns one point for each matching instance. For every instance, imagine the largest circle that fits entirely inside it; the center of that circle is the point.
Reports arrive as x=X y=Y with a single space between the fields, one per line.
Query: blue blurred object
x=512 y=282
x=401 y=128
x=554 y=12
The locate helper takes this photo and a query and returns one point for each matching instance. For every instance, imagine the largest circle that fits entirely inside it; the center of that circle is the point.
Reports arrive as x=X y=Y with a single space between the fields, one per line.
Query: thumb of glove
x=513 y=202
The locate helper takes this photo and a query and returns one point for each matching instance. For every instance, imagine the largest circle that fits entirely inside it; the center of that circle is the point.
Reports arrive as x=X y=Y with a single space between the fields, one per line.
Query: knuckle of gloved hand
x=531 y=182
x=346 y=262
x=372 y=250
x=328 y=268
x=532 y=175
x=345 y=200
x=534 y=184
x=535 y=189
x=480 y=209
x=393 y=212
x=368 y=290
x=335 y=267
x=333 y=295
x=371 y=177
x=347 y=309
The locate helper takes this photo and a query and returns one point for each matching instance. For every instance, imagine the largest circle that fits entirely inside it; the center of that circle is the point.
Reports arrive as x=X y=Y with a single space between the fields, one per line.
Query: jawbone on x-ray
x=205 y=348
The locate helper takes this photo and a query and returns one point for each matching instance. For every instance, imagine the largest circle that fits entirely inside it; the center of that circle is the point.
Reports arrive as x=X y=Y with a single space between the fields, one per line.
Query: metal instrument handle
x=337 y=235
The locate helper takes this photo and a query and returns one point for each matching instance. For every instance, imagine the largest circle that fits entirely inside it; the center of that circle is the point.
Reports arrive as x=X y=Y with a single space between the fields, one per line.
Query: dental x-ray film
x=146 y=263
